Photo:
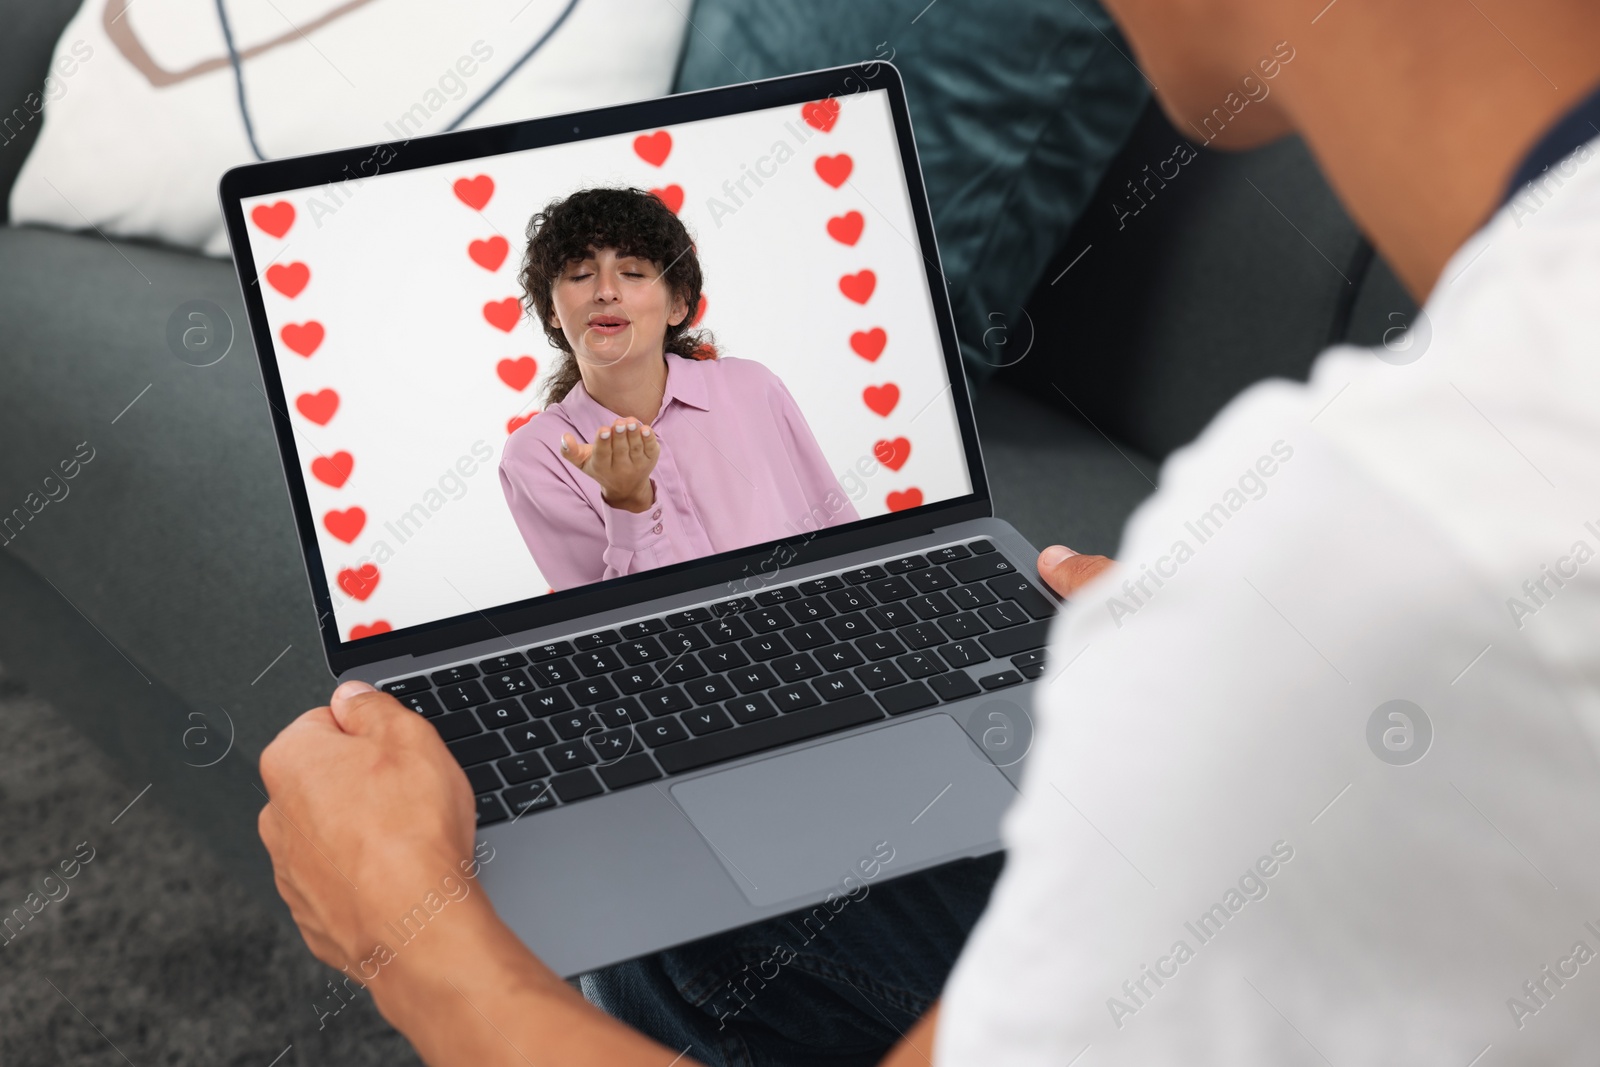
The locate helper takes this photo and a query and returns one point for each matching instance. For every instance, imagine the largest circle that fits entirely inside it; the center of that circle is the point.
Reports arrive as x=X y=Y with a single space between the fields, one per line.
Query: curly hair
x=634 y=223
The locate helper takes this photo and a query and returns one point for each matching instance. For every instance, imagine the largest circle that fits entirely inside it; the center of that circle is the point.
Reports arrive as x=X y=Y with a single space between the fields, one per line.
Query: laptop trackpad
x=878 y=803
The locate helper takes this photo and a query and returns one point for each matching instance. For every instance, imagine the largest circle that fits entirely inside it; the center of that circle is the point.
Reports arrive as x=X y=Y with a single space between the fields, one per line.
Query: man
x=1317 y=780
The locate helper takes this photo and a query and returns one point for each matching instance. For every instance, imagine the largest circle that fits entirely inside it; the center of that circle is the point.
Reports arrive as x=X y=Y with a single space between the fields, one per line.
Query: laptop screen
x=799 y=385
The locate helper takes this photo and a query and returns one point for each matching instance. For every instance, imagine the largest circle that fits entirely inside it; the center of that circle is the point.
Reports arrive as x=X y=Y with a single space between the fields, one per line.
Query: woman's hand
x=620 y=458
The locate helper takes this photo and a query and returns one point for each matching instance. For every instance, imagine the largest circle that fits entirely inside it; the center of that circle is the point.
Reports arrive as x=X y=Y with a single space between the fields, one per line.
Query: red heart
x=302 y=337
x=835 y=170
x=868 y=344
x=519 y=420
x=858 y=287
x=653 y=148
x=821 y=113
x=909 y=499
x=357 y=632
x=699 y=312
x=359 y=583
x=518 y=372
x=503 y=314
x=489 y=254
x=333 y=470
x=893 y=454
x=672 y=196
x=474 y=192
x=846 y=228
x=881 y=398
x=318 y=407
x=345 y=525
x=288 y=278
x=273 y=218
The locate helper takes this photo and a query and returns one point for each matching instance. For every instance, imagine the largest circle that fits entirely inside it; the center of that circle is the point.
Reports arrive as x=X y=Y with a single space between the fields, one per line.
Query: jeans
x=835 y=984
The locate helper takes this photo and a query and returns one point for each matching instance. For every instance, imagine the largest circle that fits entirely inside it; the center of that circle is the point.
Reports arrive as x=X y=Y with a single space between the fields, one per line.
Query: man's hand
x=368 y=814
x=1066 y=571
x=620 y=458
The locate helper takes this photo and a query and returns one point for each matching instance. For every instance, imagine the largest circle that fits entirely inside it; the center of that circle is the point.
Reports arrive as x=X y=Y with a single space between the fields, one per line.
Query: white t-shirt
x=1226 y=850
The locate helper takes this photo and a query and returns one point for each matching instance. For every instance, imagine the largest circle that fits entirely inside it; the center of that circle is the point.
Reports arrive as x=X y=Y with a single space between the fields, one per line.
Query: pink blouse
x=738 y=467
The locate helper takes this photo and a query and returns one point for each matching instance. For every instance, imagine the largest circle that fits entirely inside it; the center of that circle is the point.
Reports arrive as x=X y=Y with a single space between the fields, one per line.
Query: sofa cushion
x=26 y=80
x=1171 y=297
x=1015 y=117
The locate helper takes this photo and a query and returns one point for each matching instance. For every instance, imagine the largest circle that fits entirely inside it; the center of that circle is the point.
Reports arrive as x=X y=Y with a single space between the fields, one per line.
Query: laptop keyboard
x=560 y=722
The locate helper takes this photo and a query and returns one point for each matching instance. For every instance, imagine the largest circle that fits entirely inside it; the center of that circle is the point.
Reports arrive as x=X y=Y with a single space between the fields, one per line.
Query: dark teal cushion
x=1017 y=111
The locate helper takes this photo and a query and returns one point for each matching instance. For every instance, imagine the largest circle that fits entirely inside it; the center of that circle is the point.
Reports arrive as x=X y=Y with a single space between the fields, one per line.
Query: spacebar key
x=768 y=733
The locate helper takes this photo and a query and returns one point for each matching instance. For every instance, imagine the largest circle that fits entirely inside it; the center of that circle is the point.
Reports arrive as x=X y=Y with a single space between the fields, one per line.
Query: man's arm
x=370 y=827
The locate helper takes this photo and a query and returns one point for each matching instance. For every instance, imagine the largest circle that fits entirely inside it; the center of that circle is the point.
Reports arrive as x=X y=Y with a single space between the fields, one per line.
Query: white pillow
x=149 y=122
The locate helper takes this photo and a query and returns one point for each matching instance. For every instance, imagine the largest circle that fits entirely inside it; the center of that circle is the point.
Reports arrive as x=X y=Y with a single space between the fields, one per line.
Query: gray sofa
x=161 y=604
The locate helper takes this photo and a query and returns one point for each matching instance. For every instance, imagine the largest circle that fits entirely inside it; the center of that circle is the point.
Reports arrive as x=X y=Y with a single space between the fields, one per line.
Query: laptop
x=668 y=752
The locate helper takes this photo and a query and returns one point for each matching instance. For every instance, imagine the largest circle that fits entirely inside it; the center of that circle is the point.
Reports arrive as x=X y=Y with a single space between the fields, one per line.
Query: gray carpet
x=153 y=956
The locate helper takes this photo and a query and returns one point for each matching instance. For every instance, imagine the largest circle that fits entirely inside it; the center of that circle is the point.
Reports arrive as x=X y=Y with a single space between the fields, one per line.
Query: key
x=464 y=695
x=953 y=686
x=913 y=696
x=508 y=683
x=682 y=670
x=630 y=771
x=793 y=697
x=764 y=648
x=838 y=657
x=666 y=701
x=501 y=663
x=932 y=605
x=684 y=640
x=1014 y=639
x=728 y=628
x=644 y=650
x=932 y=580
x=637 y=680
x=482 y=778
x=811 y=609
x=970 y=597
x=891 y=616
x=920 y=664
x=769 y=733
x=553 y=650
x=660 y=732
x=1000 y=679
x=490 y=810
x=980 y=567
x=502 y=713
x=879 y=646
x=548 y=702
x=530 y=735
x=457 y=725
x=424 y=703
x=535 y=796
x=949 y=554
x=820 y=585
x=704 y=721
x=879 y=675
x=895 y=588
x=612 y=745
x=753 y=679
x=850 y=599
x=965 y=624
x=406 y=686
x=555 y=672
x=635 y=630
x=569 y=754
x=845 y=627
x=810 y=635
x=963 y=654
x=837 y=686
x=479 y=749
x=794 y=668
x=590 y=642
x=767 y=620
x=722 y=659
x=691 y=617
x=599 y=661
x=523 y=768
x=781 y=595
x=591 y=692
x=454 y=675
x=750 y=708
x=922 y=635
x=1006 y=613
x=904 y=564
x=862 y=575
x=575 y=785
x=618 y=713
x=710 y=690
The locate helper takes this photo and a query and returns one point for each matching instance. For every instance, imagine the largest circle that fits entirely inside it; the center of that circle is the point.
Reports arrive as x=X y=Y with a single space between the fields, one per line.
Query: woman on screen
x=651 y=449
